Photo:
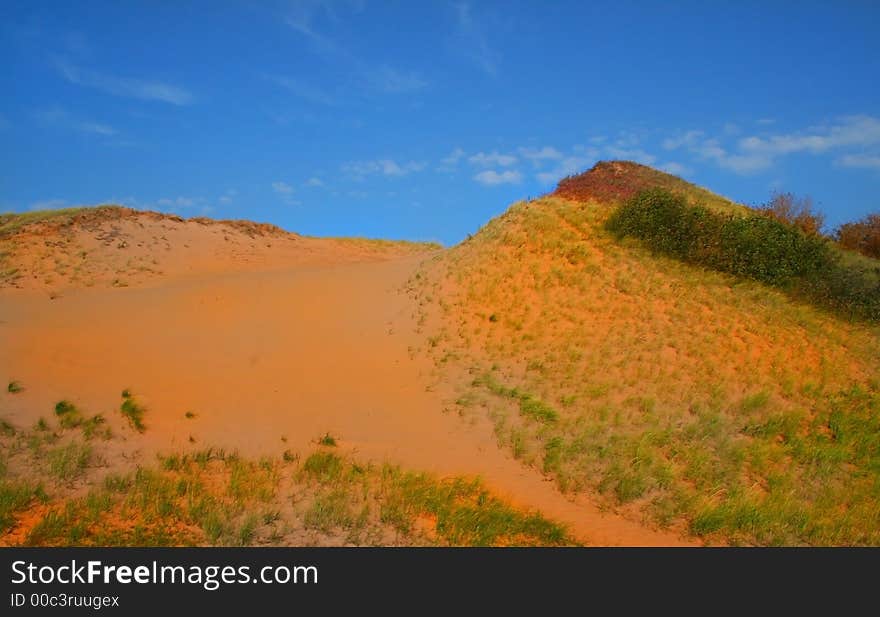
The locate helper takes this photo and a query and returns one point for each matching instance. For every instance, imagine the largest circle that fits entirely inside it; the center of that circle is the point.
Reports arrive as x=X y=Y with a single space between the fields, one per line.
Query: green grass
x=327 y=440
x=69 y=416
x=11 y=223
x=529 y=405
x=698 y=400
x=69 y=461
x=133 y=411
x=6 y=429
x=14 y=387
x=16 y=497
x=466 y=513
x=184 y=502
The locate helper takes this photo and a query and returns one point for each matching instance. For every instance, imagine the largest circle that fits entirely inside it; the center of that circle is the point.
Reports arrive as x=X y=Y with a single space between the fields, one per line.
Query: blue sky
x=423 y=119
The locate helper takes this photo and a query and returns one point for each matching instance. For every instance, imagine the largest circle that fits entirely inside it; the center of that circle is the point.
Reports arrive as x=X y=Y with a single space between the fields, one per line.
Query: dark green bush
x=753 y=246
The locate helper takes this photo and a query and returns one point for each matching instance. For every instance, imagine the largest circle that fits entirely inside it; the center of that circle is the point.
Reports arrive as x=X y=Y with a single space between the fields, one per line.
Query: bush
x=757 y=247
x=862 y=236
x=760 y=247
x=796 y=212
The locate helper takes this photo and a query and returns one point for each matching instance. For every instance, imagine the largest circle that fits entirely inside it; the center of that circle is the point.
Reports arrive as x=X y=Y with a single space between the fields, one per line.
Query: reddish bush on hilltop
x=608 y=181
x=862 y=236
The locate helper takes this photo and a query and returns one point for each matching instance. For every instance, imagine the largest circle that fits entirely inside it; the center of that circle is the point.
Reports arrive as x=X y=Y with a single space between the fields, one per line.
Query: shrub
x=796 y=212
x=756 y=246
x=862 y=236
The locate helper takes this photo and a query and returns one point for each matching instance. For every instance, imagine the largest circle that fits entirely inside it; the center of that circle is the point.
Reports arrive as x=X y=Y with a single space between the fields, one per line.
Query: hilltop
x=610 y=182
x=683 y=397
x=110 y=245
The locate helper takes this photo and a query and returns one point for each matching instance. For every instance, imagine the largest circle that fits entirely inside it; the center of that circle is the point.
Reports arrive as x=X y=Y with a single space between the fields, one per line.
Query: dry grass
x=693 y=398
x=55 y=491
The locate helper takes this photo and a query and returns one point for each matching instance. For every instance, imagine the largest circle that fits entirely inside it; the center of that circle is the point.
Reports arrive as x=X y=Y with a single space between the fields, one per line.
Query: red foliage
x=610 y=181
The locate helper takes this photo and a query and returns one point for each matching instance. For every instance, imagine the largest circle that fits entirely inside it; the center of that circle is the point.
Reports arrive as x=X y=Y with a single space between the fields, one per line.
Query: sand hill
x=631 y=398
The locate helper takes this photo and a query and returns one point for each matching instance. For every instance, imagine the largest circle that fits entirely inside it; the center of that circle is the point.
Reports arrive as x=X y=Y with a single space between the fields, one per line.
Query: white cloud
x=387 y=167
x=631 y=154
x=491 y=177
x=179 y=202
x=689 y=139
x=676 y=169
x=711 y=149
x=282 y=188
x=744 y=164
x=94 y=127
x=125 y=86
x=228 y=196
x=756 y=153
x=305 y=91
x=454 y=157
x=865 y=161
x=493 y=158
x=568 y=166
x=314 y=181
x=60 y=117
x=470 y=40
x=849 y=131
x=539 y=155
x=732 y=129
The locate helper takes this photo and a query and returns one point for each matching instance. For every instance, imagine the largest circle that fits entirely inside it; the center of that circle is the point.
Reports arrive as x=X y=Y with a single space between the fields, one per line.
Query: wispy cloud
x=181 y=204
x=60 y=117
x=373 y=77
x=493 y=158
x=706 y=148
x=848 y=131
x=307 y=92
x=676 y=169
x=314 y=182
x=227 y=197
x=129 y=87
x=631 y=154
x=282 y=188
x=285 y=191
x=566 y=167
x=94 y=127
x=491 y=177
x=470 y=40
x=756 y=153
x=452 y=159
x=386 y=167
x=865 y=161
x=538 y=155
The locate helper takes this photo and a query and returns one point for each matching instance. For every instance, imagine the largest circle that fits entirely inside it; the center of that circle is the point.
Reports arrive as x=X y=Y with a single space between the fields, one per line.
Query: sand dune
x=272 y=342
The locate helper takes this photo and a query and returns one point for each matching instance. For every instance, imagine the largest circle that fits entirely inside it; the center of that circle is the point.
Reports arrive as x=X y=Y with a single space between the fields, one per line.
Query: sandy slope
x=290 y=347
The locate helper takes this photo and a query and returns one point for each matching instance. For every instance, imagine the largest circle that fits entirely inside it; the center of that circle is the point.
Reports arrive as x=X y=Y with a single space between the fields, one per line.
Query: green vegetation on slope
x=688 y=397
x=753 y=246
x=215 y=497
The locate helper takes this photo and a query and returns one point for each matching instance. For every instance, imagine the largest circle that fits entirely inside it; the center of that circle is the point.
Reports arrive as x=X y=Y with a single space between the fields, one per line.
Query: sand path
x=258 y=356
